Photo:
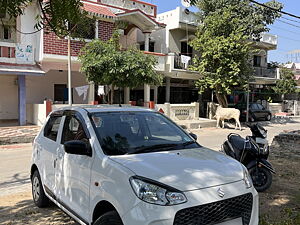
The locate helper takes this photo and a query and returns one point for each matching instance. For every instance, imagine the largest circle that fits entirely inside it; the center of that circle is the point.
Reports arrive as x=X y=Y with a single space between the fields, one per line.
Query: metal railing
x=265 y=72
x=178 y=62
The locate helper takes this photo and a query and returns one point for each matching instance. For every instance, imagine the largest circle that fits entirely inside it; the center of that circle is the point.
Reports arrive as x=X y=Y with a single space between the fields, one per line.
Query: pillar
x=91 y=93
x=22 y=99
x=168 y=89
x=155 y=94
x=126 y=95
x=146 y=94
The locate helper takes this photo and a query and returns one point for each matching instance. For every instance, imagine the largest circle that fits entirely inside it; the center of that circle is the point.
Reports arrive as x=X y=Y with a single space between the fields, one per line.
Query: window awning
x=28 y=70
x=97 y=10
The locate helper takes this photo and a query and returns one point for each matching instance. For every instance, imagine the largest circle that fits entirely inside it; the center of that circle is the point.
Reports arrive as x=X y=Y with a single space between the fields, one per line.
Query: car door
x=74 y=170
x=48 y=145
x=262 y=111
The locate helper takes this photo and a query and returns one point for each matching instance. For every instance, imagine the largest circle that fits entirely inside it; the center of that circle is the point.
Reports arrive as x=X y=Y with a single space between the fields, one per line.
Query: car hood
x=185 y=170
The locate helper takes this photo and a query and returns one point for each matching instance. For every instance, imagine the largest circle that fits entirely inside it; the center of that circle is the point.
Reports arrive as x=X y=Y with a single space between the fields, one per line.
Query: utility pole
x=248 y=101
x=69 y=73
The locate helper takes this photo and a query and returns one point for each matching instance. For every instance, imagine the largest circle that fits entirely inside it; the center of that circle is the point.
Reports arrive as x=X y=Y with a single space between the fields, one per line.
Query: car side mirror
x=77 y=147
x=194 y=136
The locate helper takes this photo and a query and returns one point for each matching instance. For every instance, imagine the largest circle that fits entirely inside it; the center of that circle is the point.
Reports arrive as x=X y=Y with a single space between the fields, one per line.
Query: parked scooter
x=253 y=152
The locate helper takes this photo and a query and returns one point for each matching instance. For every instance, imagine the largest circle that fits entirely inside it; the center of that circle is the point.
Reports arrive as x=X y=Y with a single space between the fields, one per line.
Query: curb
x=16 y=140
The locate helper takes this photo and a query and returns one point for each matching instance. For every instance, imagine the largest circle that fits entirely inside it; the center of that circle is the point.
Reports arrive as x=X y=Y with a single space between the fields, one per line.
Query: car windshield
x=122 y=133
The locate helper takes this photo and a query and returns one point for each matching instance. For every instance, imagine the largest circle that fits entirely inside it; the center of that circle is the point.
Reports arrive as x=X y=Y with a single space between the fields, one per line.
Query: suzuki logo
x=221 y=193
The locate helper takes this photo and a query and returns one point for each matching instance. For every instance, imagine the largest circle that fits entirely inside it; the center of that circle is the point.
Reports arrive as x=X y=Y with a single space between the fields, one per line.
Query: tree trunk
x=112 y=94
x=222 y=100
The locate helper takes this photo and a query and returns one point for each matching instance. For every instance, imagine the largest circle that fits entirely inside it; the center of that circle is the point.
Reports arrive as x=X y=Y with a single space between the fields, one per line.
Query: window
x=6 y=33
x=186 y=49
x=85 y=29
x=151 y=46
x=125 y=132
x=257 y=61
x=73 y=130
x=60 y=92
x=52 y=127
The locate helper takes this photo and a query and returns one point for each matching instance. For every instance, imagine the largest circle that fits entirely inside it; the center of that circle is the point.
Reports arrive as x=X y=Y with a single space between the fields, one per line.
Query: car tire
x=261 y=178
x=109 y=218
x=38 y=194
x=268 y=117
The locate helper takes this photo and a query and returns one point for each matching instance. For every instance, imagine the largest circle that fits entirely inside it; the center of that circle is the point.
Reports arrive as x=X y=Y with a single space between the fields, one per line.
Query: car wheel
x=269 y=117
x=109 y=218
x=38 y=194
x=261 y=177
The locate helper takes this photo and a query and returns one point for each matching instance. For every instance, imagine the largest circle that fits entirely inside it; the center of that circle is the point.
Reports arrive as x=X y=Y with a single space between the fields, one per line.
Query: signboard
x=186 y=3
x=24 y=54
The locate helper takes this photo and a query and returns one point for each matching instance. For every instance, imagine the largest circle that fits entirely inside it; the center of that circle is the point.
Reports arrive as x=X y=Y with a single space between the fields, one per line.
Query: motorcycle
x=252 y=152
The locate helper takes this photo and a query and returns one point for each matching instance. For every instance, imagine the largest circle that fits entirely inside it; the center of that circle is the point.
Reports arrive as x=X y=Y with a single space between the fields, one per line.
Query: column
x=146 y=86
x=168 y=89
x=22 y=99
x=155 y=94
x=146 y=94
x=91 y=95
x=126 y=95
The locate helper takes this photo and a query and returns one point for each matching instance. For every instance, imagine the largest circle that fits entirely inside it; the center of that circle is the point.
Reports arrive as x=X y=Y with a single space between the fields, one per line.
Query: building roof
x=15 y=69
x=98 y=10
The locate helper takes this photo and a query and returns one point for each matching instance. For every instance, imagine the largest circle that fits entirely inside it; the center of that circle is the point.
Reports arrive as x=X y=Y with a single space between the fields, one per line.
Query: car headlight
x=155 y=193
x=247 y=179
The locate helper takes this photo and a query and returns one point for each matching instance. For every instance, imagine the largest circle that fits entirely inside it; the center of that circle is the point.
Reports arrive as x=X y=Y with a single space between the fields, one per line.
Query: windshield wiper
x=188 y=143
x=144 y=149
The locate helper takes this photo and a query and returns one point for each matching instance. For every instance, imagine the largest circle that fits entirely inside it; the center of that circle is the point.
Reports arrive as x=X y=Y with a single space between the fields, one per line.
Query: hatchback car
x=132 y=166
x=256 y=112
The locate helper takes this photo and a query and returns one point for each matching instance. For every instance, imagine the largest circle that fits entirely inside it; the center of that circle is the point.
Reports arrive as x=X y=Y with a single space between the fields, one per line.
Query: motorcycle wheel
x=261 y=177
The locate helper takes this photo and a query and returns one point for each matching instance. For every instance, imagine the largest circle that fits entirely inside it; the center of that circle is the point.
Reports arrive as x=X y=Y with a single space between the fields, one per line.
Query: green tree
x=224 y=41
x=287 y=83
x=54 y=14
x=104 y=63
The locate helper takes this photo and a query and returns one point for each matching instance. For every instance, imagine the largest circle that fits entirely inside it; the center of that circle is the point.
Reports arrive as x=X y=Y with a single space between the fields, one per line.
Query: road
x=14 y=168
x=15 y=159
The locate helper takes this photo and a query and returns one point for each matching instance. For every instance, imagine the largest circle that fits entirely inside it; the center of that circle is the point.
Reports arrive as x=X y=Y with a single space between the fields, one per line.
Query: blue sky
x=288 y=36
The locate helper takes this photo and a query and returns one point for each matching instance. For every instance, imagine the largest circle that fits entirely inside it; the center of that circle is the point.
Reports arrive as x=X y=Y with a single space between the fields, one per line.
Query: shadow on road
x=20 y=209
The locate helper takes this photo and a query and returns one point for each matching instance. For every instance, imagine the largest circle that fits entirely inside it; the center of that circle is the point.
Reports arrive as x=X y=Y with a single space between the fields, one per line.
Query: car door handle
x=54 y=163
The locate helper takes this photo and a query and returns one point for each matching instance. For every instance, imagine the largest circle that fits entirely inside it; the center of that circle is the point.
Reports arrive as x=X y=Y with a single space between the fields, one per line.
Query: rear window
x=51 y=128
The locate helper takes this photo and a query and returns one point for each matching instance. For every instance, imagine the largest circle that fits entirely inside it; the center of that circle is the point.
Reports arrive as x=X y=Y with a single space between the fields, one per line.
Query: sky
x=288 y=35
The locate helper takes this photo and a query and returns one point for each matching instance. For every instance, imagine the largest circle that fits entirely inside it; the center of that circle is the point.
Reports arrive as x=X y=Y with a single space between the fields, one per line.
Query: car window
x=52 y=127
x=253 y=106
x=123 y=132
x=259 y=106
x=73 y=130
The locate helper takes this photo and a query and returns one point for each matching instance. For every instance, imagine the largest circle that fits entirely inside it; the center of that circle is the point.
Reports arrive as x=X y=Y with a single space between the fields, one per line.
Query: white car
x=132 y=166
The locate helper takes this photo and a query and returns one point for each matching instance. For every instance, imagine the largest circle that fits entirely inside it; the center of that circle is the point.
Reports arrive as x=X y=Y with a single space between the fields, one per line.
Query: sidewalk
x=18 y=134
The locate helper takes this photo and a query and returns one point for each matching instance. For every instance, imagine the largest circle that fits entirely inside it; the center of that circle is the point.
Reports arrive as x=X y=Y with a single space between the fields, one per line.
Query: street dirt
x=280 y=205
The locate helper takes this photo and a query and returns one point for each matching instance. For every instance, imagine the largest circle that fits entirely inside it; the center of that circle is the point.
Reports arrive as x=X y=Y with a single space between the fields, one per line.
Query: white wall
x=8 y=97
x=26 y=25
x=39 y=88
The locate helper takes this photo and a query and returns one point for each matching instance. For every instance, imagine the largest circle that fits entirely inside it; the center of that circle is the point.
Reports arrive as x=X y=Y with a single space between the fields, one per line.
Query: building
x=33 y=66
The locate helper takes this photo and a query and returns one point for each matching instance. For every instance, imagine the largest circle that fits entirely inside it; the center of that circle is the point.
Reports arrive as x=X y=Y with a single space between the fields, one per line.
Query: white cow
x=227 y=114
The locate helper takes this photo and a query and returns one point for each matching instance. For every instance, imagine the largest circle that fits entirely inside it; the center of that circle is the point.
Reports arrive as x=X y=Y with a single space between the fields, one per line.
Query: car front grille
x=217 y=212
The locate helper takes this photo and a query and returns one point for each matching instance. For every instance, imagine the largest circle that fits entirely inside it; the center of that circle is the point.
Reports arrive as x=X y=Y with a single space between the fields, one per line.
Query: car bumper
x=148 y=214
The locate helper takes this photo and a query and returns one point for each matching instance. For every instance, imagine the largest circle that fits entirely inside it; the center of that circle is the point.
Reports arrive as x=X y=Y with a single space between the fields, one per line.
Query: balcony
x=266 y=72
x=268 y=41
x=7 y=52
x=178 y=64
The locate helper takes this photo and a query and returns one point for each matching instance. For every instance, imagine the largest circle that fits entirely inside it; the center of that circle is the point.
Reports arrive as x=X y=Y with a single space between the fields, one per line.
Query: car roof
x=105 y=108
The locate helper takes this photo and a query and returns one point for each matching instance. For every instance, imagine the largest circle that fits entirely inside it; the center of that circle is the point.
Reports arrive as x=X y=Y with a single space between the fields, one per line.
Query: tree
x=287 y=83
x=224 y=42
x=104 y=63
x=54 y=16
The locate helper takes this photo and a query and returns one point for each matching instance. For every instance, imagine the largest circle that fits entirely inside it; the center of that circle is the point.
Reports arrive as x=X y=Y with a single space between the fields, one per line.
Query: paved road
x=14 y=168
x=15 y=159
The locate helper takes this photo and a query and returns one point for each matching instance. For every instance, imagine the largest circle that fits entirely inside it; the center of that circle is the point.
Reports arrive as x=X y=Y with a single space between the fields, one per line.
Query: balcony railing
x=265 y=72
x=269 y=39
